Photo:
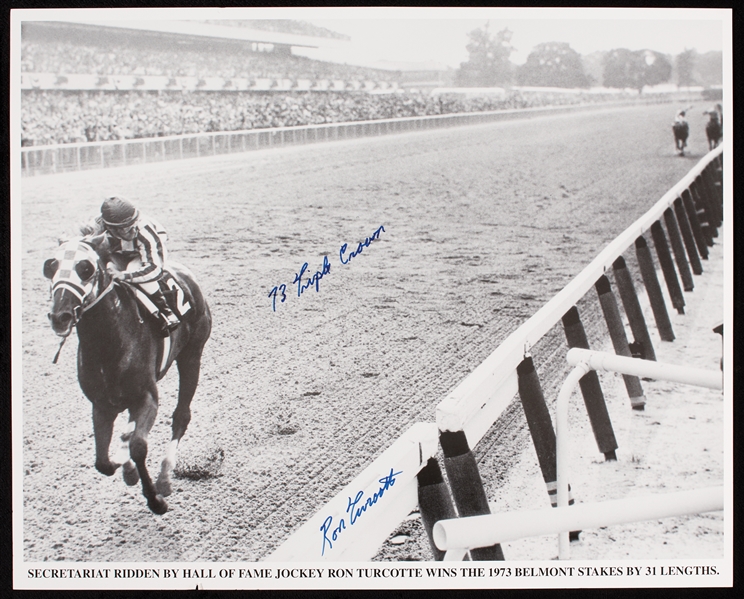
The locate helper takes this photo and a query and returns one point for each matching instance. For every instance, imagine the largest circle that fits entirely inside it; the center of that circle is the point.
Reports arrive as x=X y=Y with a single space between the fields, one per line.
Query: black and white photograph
x=352 y=298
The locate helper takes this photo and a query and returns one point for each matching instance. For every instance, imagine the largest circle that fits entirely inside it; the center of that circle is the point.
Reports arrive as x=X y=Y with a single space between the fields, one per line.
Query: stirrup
x=169 y=322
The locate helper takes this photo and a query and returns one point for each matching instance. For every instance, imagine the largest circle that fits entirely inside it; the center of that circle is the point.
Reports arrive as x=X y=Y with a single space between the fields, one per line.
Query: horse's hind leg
x=188 y=371
x=144 y=417
x=103 y=428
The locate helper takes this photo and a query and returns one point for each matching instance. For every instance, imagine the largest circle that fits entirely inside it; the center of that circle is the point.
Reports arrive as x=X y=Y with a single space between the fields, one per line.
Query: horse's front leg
x=144 y=418
x=129 y=468
x=103 y=428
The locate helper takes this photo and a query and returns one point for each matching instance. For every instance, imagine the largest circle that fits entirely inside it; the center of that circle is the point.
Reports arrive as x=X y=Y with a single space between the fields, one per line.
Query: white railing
x=476 y=403
x=456 y=536
x=473 y=406
x=49 y=159
x=459 y=535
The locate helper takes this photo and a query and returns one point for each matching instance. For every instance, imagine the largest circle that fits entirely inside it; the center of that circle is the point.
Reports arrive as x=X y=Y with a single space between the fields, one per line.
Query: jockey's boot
x=170 y=320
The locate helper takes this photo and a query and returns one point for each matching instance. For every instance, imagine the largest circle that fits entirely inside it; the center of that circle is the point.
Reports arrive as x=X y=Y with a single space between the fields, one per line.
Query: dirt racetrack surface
x=482 y=225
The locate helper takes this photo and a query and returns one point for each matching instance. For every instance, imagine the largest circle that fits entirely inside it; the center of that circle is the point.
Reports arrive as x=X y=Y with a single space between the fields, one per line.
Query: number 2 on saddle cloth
x=172 y=292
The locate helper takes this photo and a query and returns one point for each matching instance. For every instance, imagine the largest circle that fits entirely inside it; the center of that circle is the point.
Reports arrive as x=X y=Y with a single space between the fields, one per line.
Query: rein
x=79 y=314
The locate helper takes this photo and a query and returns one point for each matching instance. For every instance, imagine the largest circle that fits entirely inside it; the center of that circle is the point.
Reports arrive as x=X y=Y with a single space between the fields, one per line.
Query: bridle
x=88 y=300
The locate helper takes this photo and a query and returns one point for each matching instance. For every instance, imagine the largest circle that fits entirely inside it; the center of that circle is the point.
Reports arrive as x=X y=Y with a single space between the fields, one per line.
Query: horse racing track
x=424 y=251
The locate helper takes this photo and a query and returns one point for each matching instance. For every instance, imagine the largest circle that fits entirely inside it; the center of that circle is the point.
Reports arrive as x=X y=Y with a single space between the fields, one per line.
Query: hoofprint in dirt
x=482 y=226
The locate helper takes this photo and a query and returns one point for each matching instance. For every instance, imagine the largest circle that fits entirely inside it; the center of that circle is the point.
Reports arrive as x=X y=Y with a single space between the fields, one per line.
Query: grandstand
x=90 y=81
x=180 y=54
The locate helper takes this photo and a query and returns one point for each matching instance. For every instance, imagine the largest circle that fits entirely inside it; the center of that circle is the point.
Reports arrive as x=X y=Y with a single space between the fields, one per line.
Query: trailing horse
x=681 y=131
x=713 y=129
x=122 y=356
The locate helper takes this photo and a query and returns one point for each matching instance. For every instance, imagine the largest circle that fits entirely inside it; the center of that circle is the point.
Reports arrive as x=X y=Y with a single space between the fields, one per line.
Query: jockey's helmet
x=118 y=212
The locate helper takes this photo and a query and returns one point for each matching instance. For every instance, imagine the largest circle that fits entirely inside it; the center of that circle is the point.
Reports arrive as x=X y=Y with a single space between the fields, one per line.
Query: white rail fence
x=476 y=403
x=49 y=159
x=459 y=535
x=473 y=407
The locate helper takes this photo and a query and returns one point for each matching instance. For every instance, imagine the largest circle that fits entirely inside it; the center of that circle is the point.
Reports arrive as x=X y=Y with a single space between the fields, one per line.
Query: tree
x=709 y=68
x=553 y=64
x=488 y=63
x=657 y=68
x=625 y=68
x=685 y=63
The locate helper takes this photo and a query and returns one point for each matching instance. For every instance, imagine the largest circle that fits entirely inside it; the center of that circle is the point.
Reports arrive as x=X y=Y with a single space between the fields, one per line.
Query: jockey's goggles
x=122 y=231
x=126 y=222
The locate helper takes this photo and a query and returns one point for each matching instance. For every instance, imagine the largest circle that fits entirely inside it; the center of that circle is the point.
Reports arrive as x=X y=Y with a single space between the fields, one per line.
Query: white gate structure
x=692 y=212
x=459 y=535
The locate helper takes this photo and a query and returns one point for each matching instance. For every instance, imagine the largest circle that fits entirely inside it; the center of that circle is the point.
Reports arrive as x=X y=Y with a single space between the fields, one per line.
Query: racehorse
x=681 y=131
x=122 y=355
x=713 y=129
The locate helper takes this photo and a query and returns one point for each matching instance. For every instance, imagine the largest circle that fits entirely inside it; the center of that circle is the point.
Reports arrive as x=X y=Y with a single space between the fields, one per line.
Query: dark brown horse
x=713 y=129
x=121 y=355
x=681 y=131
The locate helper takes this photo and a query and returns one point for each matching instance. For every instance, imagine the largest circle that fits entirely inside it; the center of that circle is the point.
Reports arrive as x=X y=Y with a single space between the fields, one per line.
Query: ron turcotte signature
x=356 y=508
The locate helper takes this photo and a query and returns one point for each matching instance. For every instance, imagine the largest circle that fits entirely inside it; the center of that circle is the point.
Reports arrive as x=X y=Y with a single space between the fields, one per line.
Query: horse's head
x=73 y=271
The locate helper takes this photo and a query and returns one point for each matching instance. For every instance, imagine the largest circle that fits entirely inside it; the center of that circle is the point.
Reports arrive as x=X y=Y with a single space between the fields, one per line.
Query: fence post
x=541 y=429
x=591 y=390
x=716 y=179
x=467 y=486
x=619 y=339
x=697 y=231
x=706 y=188
x=687 y=237
x=702 y=214
x=704 y=191
x=633 y=309
x=651 y=282
x=434 y=500
x=667 y=267
x=679 y=251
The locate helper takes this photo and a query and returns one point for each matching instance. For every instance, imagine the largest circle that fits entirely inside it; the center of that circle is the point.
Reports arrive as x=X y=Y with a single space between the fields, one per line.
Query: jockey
x=140 y=242
x=680 y=117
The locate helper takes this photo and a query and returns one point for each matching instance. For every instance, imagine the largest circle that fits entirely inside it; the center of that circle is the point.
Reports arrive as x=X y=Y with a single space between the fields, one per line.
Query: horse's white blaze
x=68 y=255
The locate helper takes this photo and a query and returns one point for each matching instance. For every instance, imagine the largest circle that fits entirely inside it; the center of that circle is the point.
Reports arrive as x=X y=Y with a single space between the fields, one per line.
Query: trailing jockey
x=140 y=242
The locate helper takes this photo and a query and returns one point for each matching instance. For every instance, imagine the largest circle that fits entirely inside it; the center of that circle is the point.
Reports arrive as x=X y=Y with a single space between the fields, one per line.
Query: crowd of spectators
x=73 y=58
x=66 y=116
x=57 y=117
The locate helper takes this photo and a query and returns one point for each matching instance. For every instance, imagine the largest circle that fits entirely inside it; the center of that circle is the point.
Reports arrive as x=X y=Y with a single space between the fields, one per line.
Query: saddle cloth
x=173 y=293
x=177 y=302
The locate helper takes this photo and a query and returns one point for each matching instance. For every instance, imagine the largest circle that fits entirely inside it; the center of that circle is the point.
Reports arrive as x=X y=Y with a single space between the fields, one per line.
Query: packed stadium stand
x=85 y=82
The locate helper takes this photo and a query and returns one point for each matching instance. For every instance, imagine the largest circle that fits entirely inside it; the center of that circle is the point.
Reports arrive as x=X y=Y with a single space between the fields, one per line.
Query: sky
x=441 y=36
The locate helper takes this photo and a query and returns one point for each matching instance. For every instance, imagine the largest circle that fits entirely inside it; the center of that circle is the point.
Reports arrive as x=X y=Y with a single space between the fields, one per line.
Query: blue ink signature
x=355 y=510
x=314 y=281
x=360 y=247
